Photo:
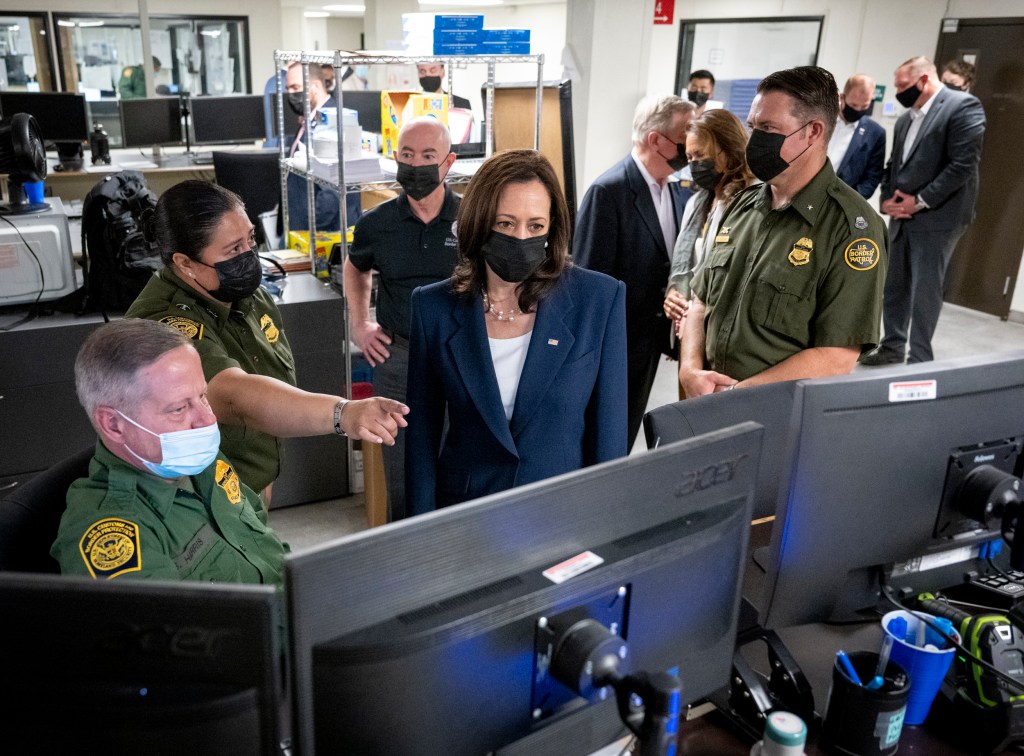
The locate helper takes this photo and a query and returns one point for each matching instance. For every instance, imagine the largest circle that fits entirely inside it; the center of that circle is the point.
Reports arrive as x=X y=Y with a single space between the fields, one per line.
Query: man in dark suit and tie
x=857 y=146
x=626 y=228
x=928 y=191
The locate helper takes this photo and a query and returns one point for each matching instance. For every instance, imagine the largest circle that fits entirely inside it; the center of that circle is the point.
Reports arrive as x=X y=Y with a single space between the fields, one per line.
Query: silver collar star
x=810 y=207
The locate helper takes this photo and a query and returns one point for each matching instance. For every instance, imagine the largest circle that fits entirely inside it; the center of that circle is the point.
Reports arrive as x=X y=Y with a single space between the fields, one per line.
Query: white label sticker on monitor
x=570 y=568
x=912 y=391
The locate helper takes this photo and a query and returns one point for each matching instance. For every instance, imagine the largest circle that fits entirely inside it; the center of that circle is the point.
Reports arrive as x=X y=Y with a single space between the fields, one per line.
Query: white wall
x=859 y=36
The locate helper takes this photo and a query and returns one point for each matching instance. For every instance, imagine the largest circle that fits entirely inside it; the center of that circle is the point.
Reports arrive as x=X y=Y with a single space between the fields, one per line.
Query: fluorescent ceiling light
x=346 y=8
x=211 y=33
x=316 y=14
x=84 y=24
x=462 y=2
x=62 y=22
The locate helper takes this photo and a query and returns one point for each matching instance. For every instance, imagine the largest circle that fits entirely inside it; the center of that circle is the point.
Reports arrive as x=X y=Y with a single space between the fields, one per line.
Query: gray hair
x=655 y=113
x=111 y=357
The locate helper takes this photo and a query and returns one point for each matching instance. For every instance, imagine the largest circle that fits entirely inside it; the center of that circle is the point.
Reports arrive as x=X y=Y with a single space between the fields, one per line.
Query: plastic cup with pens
x=864 y=717
x=923 y=653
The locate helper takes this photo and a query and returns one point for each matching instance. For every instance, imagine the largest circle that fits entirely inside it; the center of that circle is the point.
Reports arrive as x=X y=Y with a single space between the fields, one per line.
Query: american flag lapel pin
x=552 y=342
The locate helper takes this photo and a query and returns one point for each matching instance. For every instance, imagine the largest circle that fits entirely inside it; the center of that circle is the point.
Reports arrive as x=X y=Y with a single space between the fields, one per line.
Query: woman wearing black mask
x=210 y=290
x=716 y=148
x=524 y=353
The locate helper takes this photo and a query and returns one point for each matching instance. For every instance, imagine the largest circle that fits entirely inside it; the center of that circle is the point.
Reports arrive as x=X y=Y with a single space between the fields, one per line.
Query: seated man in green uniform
x=793 y=286
x=132 y=85
x=160 y=501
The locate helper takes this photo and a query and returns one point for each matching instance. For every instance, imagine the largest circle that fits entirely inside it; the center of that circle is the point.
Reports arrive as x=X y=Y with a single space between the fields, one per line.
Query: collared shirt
x=123 y=521
x=916 y=119
x=661 y=195
x=842 y=135
x=406 y=252
x=777 y=282
x=248 y=335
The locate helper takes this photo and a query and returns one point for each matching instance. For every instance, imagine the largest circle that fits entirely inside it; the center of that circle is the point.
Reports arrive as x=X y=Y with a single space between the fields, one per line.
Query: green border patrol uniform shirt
x=123 y=521
x=807 y=275
x=249 y=336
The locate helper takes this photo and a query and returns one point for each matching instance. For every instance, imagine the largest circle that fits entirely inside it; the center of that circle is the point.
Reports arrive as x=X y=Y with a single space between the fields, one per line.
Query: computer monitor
x=874 y=484
x=61 y=115
x=150 y=122
x=227 y=120
x=437 y=634
x=367 y=107
x=153 y=667
x=769 y=405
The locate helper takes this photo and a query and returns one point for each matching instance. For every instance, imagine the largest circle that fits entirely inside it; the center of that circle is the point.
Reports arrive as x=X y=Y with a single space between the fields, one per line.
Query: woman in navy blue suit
x=524 y=353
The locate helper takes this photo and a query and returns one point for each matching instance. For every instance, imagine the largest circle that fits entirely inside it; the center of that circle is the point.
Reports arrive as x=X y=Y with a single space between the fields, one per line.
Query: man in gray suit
x=928 y=190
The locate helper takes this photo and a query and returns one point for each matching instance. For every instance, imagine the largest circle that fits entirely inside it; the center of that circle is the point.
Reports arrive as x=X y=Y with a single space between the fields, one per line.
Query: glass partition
x=25 y=61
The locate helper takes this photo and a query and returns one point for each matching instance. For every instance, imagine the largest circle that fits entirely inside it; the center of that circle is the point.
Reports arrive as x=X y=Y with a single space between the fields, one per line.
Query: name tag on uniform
x=723 y=235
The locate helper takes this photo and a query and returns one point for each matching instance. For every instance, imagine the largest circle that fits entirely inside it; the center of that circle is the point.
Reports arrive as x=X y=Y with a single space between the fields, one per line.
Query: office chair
x=253 y=176
x=30 y=517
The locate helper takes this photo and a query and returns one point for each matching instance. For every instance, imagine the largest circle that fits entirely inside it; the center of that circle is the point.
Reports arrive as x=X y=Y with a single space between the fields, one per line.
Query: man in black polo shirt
x=409 y=242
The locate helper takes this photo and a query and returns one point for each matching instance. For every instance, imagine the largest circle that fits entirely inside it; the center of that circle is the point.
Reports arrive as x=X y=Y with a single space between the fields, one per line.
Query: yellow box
x=325 y=241
x=393 y=106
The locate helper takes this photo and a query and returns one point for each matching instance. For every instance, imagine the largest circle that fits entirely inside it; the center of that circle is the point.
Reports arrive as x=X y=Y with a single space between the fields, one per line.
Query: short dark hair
x=477 y=212
x=702 y=73
x=963 y=69
x=813 y=90
x=316 y=71
x=186 y=216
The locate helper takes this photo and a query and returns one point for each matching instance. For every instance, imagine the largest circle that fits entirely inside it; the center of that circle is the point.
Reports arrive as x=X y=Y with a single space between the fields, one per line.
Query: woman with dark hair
x=524 y=353
x=209 y=289
x=716 y=145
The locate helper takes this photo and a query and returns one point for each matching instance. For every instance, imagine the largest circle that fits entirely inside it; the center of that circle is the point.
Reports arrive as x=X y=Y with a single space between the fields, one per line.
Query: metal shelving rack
x=339 y=59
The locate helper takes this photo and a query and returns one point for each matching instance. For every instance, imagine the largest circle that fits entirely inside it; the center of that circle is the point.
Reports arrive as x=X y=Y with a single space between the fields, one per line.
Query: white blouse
x=509 y=356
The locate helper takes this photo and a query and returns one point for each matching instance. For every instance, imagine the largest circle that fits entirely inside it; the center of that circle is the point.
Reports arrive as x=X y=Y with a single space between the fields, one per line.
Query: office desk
x=42 y=421
x=175 y=168
x=814 y=647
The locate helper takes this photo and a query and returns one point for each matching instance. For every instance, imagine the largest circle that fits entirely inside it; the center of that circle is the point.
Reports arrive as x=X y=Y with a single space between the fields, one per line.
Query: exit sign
x=664 y=10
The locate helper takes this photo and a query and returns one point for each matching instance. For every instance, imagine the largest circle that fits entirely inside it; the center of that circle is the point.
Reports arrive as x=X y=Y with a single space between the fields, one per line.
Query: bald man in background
x=857 y=147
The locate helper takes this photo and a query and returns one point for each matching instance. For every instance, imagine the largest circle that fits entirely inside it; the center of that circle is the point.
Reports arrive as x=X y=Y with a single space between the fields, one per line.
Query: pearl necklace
x=501 y=315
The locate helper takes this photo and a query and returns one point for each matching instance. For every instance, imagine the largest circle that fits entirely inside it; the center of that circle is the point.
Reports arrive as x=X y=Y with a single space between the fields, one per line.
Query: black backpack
x=116 y=258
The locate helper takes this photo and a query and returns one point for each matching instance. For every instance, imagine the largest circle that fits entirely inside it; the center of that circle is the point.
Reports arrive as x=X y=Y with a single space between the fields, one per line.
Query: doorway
x=983 y=271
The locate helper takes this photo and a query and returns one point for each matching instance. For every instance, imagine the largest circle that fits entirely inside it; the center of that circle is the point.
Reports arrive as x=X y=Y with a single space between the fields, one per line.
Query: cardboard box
x=457 y=36
x=504 y=35
x=458 y=21
x=503 y=48
x=394 y=106
x=325 y=241
x=457 y=48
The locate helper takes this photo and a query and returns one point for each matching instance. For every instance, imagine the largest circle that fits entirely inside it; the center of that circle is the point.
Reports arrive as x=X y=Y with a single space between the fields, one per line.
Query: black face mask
x=908 y=96
x=954 y=87
x=850 y=115
x=296 y=101
x=704 y=174
x=418 y=180
x=513 y=259
x=697 y=98
x=430 y=83
x=239 y=277
x=763 y=153
x=678 y=162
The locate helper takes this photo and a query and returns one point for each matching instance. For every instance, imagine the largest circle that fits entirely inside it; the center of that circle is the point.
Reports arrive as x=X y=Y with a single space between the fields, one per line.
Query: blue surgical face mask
x=186 y=452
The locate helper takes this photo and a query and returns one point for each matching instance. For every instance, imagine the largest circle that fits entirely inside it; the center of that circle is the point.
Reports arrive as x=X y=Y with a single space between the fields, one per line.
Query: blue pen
x=844 y=662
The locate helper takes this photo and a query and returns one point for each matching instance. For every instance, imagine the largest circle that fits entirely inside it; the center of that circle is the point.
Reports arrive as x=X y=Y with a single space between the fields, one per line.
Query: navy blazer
x=942 y=167
x=864 y=162
x=617 y=233
x=570 y=408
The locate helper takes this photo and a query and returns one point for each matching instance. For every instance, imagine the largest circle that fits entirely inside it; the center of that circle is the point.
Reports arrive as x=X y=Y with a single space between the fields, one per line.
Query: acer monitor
x=442 y=633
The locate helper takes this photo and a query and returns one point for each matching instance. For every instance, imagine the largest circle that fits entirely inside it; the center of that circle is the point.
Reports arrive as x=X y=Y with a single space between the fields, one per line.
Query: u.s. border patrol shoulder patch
x=111 y=547
x=862 y=254
x=190 y=328
x=227 y=479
